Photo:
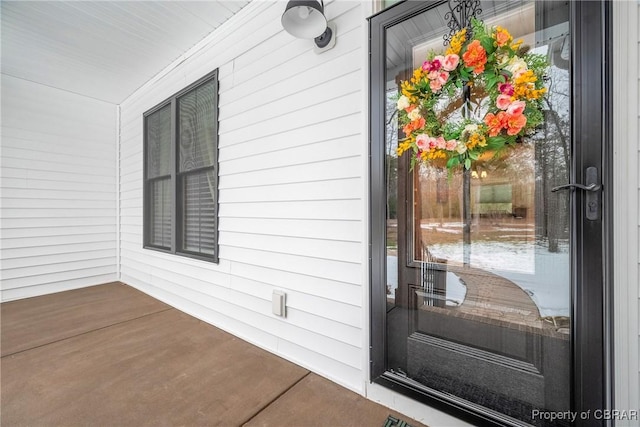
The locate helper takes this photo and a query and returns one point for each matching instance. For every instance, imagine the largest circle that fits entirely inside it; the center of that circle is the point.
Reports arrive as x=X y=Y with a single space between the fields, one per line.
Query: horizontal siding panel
x=171 y=265
x=13 y=233
x=334 y=169
x=329 y=129
x=343 y=105
x=46 y=278
x=134 y=201
x=348 y=231
x=59 y=213
x=338 y=313
x=321 y=287
x=81 y=170
x=72 y=248
x=69 y=176
x=37 y=194
x=79 y=186
x=58 y=286
x=313 y=248
x=131 y=188
x=51 y=203
x=306 y=96
x=55 y=221
x=329 y=269
x=44 y=143
x=342 y=189
x=26 y=242
x=59 y=157
x=302 y=154
x=59 y=267
x=58 y=258
x=348 y=210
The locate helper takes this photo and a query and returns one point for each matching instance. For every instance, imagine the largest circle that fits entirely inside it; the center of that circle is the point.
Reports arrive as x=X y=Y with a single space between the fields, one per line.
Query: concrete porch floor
x=110 y=355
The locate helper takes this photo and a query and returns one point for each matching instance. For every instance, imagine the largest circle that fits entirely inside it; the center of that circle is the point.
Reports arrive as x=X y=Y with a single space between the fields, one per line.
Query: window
x=181 y=172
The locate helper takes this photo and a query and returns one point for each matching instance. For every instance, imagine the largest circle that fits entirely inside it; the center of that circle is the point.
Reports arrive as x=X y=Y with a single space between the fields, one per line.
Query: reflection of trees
x=391 y=158
x=553 y=162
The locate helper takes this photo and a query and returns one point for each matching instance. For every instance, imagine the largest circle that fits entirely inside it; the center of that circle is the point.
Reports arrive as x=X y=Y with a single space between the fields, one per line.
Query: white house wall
x=58 y=183
x=292 y=186
x=626 y=192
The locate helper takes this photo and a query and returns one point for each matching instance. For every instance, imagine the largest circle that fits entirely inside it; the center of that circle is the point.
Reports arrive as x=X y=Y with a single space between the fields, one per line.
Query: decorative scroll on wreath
x=495 y=69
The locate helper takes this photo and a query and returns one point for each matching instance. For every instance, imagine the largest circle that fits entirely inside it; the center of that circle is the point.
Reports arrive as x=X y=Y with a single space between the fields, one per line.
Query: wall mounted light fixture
x=305 y=19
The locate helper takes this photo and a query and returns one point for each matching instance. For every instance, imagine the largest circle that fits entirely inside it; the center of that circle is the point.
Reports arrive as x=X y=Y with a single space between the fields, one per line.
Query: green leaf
x=474 y=155
x=454 y=161
x=467 y=163
x=496 y=142
x=487 y=44
x=492 y=80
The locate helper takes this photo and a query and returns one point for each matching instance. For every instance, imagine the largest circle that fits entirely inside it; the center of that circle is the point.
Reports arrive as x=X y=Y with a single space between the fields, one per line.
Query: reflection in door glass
x=482 y=311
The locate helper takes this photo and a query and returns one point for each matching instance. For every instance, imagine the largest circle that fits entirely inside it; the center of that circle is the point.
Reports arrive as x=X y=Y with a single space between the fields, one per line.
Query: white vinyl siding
x=626 y=191
x=58 y=183
x=292 y=180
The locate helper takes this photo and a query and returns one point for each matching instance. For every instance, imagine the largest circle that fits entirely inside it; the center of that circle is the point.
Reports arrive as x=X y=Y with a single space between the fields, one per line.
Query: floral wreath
x=489 y=61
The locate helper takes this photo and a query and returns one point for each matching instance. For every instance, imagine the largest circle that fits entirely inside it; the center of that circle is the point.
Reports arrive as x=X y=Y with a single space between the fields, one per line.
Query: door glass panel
x=480 y=309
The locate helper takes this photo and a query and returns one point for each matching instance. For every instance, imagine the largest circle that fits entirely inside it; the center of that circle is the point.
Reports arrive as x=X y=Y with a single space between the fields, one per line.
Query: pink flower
x=450 y=62
x=451 y=144
x=422 y=141
x=516 y=108
x=441 y=143
x=443 y=76
x=435 y=85
x=434 y=65
x=438 y=60
x=506 y=88
x=503 y=101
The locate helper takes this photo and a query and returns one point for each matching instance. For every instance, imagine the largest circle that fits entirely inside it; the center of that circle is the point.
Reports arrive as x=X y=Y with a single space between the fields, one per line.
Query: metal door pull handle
x=590 y=187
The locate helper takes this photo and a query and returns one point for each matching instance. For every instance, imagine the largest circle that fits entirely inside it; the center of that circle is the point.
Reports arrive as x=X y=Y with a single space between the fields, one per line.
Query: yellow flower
x=476 y=139
x=515 y=46
x=525 y=87
x=402 y=147
x=458 y=39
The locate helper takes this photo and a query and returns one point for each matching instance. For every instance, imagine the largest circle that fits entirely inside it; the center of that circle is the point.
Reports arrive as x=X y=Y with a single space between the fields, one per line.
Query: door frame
x=592 y=329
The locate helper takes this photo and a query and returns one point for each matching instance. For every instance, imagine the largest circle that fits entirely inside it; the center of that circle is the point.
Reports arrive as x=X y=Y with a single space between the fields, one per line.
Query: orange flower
x=515 y=123
x=475 y=57
x=496 y=122
x=414 y=125
x=502 y=36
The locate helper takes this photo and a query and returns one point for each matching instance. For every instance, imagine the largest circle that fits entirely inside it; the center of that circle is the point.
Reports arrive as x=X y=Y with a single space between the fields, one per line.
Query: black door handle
x=590 y=187
x=592 y=198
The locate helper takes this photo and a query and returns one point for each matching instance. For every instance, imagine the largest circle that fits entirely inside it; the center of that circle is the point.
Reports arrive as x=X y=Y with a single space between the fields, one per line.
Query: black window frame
x=176 y=177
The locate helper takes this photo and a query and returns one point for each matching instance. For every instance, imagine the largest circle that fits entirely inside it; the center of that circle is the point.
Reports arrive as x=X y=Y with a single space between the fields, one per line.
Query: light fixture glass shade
x=304 y=19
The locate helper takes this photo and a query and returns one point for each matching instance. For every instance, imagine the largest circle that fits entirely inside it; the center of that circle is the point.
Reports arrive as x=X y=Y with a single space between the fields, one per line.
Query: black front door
x=489 y=289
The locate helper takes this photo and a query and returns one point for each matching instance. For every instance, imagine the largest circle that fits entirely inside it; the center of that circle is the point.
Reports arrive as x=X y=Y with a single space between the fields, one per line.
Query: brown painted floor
x=110 y=355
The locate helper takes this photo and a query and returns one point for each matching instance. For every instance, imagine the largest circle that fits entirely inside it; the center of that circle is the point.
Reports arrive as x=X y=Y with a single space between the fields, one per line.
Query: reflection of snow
x=540 y=273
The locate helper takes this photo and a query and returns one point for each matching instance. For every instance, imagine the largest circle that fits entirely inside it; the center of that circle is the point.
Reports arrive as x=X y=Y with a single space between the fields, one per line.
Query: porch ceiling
x=103 y=49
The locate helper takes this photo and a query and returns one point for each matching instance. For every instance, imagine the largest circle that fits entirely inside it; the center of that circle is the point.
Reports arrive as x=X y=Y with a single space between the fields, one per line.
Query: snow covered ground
x=545 y=276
